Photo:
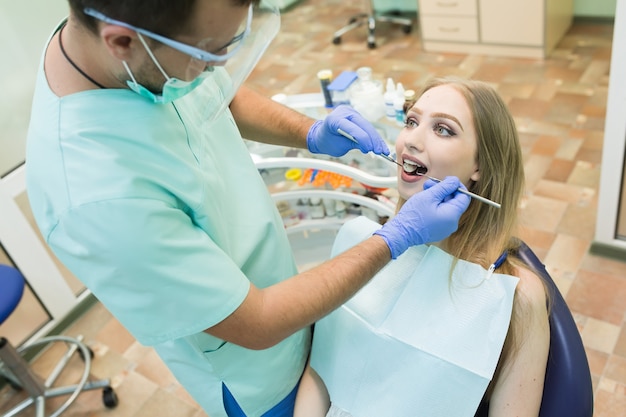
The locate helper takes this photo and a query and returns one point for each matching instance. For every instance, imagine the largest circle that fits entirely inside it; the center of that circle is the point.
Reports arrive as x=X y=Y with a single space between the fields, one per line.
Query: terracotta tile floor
x=559 y=105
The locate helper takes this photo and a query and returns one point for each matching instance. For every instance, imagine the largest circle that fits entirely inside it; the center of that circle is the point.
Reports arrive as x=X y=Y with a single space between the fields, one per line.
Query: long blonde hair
x=485 y=232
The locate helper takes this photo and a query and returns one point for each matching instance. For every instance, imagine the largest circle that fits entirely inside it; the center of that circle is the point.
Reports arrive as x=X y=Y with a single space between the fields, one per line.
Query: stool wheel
x=337 y=40
x=407 y=29
x=75 y=345
x=82 y=354
x=371 y=45
x=109 y=397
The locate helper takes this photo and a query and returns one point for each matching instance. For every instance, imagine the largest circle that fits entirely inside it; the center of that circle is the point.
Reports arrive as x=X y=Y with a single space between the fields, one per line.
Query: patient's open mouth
x=413 y=168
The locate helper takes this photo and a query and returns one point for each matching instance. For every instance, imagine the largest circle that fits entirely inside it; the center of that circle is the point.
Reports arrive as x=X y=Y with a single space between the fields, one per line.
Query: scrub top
x=167 y=221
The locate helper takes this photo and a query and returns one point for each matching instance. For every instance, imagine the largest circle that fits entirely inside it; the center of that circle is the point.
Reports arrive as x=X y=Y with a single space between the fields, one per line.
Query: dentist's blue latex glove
x=428 y=216
x=324 y=138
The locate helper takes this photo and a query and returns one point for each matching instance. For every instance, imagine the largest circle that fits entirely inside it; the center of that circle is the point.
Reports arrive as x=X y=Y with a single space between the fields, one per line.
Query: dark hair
x=165 y=17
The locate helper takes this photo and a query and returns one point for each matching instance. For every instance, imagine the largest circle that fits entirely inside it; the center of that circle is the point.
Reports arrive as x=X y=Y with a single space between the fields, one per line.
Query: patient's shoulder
x=531 y=288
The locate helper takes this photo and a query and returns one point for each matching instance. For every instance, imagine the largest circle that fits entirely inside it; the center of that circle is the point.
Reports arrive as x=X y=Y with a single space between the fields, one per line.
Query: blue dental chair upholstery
x=567 y=388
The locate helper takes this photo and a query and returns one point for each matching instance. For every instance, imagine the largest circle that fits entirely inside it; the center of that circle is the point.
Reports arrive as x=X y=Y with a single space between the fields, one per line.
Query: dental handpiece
x=390 y=159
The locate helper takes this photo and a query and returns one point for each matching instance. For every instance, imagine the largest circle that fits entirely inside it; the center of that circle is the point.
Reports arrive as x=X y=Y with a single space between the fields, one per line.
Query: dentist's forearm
x=269 y=315
x=264 y=120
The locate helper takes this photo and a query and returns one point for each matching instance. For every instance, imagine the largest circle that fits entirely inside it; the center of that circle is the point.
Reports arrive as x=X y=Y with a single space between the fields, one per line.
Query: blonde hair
x=485 y=232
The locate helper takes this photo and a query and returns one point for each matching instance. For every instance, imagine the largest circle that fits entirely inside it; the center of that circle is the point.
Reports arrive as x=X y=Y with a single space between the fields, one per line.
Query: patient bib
x=414 y=342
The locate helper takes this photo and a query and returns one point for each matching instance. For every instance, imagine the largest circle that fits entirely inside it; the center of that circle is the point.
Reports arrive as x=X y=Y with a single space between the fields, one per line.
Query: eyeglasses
x=195 y=52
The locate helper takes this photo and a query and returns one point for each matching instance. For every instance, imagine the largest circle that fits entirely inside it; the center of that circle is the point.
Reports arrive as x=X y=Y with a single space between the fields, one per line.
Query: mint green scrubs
x=167 y=221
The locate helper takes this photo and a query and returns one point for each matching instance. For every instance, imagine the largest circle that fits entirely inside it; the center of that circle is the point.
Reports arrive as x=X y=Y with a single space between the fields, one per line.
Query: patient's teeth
x=409 y=166
x=413 y=168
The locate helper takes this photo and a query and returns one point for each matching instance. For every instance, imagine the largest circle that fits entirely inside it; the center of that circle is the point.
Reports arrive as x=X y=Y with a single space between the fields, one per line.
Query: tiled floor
x=559 y=105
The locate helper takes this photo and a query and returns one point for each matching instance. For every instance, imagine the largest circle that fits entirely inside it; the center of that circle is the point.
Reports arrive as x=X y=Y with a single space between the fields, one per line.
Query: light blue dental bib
x=414 y=343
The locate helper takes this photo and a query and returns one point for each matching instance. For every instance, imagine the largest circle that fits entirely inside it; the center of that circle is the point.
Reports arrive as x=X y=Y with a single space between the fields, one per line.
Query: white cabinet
x=512 y=22
x=515 y=28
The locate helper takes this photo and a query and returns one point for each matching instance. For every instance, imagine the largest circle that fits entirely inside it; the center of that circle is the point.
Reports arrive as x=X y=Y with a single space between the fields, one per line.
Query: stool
x=19 y=375
x=371 y=17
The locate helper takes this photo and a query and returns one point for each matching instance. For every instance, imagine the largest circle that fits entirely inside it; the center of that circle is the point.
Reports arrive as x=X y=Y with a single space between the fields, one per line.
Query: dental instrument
x=390 y=159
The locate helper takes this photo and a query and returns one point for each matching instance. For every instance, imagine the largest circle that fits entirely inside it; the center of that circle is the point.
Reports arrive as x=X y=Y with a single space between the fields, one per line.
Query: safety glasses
x=230 y=64
x=196 y=53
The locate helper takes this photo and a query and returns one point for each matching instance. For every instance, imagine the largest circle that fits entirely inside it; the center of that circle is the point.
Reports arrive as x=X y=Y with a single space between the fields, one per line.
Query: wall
x=52 y=292
x=401 y=5
x=24 y=28
x=594 y=8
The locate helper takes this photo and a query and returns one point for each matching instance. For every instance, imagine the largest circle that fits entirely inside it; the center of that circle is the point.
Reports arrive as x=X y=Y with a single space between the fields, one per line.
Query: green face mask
x=173 y=89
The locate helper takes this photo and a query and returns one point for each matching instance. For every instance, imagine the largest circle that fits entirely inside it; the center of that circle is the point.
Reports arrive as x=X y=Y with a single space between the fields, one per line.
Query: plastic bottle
x=340 y=206
x=326 y=76
x=409 y=100
x=389 y=97
x=398 y=104
x=340 y=209
x=316 y=208
x=329 y=207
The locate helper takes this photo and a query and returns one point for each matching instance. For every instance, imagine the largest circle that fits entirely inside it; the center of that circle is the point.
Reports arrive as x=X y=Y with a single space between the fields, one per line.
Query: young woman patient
x=392 y=351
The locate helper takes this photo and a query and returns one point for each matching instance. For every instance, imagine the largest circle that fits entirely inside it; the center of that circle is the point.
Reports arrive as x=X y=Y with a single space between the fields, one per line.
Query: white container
x=366 y=95
x=329 y=207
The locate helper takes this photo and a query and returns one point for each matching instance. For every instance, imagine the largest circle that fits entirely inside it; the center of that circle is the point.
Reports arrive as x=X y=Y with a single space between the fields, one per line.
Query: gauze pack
x=414 y=342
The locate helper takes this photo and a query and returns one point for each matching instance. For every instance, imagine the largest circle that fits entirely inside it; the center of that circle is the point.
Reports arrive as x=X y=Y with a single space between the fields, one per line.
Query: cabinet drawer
x=462 y=29
x=448 y=7
x=526 y=29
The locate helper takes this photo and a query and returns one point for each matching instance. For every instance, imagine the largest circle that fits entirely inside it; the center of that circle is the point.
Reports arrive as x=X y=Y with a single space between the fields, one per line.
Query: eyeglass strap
x=145 y=45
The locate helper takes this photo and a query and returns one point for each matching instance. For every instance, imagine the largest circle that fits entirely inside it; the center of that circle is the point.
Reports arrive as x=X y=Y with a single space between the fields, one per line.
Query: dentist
x=134 y=165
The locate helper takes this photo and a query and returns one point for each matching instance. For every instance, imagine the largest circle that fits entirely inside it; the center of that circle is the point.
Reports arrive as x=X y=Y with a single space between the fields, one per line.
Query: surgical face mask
x=173 y=89
x=235 y=60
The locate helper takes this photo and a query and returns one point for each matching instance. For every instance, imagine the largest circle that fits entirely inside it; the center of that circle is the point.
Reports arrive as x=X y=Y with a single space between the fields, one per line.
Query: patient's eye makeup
x=443 y=130
x=410 y=122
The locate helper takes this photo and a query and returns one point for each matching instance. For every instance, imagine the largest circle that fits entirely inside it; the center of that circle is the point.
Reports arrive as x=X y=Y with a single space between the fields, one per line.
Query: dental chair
x=567 y=387
x=371 y=17
x=15 y=370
